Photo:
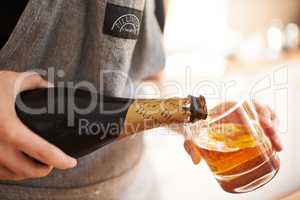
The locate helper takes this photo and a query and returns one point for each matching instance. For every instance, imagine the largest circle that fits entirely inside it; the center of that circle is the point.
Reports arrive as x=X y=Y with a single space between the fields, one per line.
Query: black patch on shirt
x=122 y=22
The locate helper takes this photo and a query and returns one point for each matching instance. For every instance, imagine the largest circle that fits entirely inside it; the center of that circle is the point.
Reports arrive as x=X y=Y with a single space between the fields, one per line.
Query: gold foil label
x=148 y=114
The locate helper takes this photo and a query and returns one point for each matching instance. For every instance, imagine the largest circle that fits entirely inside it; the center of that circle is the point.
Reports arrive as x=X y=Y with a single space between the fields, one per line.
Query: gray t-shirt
x=90 y=40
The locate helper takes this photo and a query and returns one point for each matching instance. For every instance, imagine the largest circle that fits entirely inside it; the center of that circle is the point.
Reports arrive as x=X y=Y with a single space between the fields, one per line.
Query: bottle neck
x=145 y=114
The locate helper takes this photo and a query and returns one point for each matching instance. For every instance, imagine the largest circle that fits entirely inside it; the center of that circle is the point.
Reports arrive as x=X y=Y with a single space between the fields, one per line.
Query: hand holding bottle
x=19 y=146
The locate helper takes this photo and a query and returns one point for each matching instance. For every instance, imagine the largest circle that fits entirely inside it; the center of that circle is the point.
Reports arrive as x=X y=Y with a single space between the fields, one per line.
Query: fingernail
x=192 y=153
x=74 y=162
x=71 y=162
x=50 y=85
x=278 y=143
x=193 y=156
x=187 y=147
x=196 y=158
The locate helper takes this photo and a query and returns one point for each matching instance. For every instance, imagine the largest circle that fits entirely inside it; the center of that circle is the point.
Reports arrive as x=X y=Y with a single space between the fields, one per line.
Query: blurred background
x=231 y=33
x=245 y=41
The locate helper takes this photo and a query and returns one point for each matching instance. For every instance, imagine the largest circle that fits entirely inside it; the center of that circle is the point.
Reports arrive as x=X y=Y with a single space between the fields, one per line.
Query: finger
x=270 y=132
x=192 y=151
x=7 y=175
x=5 y=172
x=29 y=81
x=23 y=166
x=269 y=123
x=264 y=111
x=273 y=117
x=38 y=148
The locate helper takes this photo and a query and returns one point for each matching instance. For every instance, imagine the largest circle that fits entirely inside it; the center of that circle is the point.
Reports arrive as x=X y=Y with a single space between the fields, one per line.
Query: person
x=79 y=40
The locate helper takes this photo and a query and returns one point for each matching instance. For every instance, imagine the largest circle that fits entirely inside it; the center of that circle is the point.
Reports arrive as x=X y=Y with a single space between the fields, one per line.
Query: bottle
x=79 y=121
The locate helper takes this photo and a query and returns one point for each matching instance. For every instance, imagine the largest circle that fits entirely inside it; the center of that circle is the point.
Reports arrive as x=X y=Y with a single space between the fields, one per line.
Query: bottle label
x=148 y=114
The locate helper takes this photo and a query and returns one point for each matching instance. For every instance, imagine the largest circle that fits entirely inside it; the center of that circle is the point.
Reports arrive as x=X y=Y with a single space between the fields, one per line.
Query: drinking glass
x=235 y=147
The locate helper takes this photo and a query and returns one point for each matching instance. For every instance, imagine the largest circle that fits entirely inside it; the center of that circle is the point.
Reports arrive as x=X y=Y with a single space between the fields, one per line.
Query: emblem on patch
x=122 y=22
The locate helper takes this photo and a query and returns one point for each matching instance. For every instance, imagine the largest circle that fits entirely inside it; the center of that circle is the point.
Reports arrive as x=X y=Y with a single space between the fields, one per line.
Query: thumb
x=192 y=150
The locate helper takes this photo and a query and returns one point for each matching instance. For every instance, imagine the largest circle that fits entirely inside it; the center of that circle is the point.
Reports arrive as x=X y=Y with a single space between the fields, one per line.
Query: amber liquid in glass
x=240 y=162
